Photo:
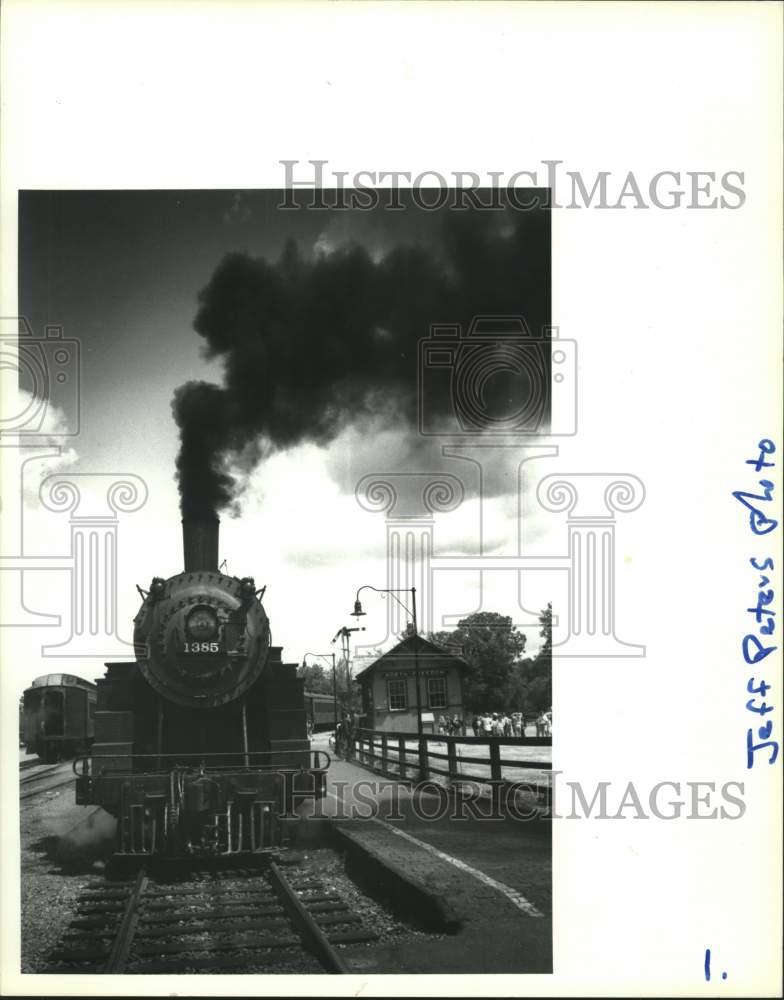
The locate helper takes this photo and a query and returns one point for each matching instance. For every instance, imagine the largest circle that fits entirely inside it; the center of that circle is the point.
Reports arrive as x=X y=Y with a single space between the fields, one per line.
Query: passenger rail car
x=320 y=709
x=201 y=744
x=58 y=716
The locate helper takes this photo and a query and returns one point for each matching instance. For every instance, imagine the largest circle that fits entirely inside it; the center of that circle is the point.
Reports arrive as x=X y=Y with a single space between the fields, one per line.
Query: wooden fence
x=489 y=763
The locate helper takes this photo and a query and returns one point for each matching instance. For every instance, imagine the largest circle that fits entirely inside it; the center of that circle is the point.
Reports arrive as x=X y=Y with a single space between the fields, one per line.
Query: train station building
x=388 y=687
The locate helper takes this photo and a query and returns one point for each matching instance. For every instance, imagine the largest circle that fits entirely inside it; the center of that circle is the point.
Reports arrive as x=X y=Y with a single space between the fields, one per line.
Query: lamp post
x=358 y=612
x=326 y=656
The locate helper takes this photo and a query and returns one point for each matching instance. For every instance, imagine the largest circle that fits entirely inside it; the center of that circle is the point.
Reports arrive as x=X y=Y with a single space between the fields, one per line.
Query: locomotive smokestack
x=200 y=543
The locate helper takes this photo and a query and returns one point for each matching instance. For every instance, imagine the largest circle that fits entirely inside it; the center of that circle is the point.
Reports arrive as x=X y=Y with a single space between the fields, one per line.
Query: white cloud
x=27 y=459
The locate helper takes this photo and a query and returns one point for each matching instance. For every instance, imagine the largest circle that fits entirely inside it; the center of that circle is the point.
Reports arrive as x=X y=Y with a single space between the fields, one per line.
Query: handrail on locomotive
x=85 y=760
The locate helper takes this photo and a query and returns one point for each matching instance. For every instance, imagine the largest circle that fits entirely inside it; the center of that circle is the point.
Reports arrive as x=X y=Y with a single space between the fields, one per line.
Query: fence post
x=401 y=756
x=495 y=759
x=384 y=759
x=451 y=759
x=495 y=774
x=424 y=773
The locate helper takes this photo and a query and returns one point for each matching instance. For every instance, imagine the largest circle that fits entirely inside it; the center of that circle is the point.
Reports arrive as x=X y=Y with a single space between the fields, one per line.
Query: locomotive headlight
x=202 y=623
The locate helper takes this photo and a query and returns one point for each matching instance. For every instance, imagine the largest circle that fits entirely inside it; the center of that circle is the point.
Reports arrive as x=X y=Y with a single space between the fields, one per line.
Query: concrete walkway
x=493 y=875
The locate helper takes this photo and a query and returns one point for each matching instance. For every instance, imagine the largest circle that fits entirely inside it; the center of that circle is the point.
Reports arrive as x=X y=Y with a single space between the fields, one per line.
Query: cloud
x=54 y=433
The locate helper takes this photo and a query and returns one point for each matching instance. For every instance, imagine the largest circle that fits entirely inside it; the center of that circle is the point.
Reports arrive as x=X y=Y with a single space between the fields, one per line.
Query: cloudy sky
x=322 y=404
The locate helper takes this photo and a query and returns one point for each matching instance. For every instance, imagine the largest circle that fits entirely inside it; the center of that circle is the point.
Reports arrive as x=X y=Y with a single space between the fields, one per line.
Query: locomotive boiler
x=201 y=744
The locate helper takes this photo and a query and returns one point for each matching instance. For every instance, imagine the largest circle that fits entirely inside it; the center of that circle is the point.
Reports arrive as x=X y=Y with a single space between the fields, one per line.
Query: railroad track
x=26 y=779
x=241 y=920
x=34 y=785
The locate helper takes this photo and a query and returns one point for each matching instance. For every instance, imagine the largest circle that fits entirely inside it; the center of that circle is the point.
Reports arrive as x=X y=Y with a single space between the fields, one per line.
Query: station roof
x=404 y=650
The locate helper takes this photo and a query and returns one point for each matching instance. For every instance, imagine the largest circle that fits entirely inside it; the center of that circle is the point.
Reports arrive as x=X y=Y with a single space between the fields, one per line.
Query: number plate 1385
x=201 y=647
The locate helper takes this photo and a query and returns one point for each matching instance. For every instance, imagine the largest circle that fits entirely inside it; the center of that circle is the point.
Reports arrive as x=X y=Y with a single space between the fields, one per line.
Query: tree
x=501 y=678
x=531 y=684
x=546 y=631
x=492 y=645
x=316 y=678
x=348 y=693
x=519 y=686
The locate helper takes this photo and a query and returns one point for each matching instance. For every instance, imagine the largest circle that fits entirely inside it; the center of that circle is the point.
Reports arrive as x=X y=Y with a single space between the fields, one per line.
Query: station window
x=436 y=692
x=396 y=691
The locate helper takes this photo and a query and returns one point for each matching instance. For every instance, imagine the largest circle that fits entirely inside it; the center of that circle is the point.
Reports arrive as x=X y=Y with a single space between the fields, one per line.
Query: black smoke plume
x=311 y=344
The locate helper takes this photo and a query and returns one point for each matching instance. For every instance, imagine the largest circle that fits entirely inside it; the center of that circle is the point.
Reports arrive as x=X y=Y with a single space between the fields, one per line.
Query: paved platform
x=493 y=876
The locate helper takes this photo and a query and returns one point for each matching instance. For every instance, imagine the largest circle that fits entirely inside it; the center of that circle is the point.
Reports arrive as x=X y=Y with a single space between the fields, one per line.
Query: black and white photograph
x=340 y=776
x=391 y=498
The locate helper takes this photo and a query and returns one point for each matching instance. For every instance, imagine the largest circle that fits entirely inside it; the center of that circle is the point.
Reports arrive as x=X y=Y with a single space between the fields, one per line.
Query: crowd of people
x=510 y=724
x=497 y=724
x=483 y=724
x=451 y=726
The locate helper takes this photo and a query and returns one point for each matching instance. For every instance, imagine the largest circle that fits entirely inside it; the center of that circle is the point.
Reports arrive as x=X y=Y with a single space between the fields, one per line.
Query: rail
x=121 y=945
x=409 y=756
x=266 y=760
x=33 y=793
x=314 y=938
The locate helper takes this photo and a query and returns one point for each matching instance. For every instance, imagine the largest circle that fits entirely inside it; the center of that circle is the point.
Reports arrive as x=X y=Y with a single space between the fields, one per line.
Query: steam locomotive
x=201 y=744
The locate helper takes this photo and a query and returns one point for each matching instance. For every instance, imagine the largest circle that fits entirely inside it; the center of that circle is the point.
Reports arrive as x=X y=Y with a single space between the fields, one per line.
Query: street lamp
x=358 y=613
x=326 y=656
